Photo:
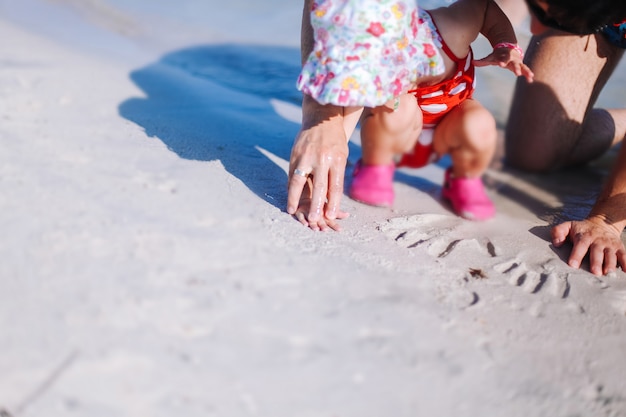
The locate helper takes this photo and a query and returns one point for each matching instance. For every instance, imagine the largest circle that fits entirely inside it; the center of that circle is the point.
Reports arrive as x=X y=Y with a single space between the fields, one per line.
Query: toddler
x=440 y=116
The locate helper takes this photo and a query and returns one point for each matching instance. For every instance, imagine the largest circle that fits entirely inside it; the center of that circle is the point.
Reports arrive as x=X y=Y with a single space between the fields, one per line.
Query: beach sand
x=149 y=268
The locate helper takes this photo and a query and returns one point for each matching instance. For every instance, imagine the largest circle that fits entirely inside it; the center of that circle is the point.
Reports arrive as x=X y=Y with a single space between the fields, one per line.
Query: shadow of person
x=520 y=169
x=214 y=103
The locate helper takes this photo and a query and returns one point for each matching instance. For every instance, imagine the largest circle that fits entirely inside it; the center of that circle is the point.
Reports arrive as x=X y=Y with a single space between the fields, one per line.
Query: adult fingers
x=318 y=197
x=596 y=259
x=324 y=224
x=334 y=225
x=580 y=249
x=294 y=192
x=560 y=233
x=301 y=217
x=621 y=258
x=610 y=261
x=335 y=191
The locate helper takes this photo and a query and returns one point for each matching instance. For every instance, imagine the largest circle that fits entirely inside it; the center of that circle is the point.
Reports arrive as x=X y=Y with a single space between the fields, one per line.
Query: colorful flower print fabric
x=367 y=52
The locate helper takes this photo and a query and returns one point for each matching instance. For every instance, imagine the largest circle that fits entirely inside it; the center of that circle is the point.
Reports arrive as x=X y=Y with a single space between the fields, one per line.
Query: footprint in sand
x=532 y=281
x=434 y=231
x=474 y=253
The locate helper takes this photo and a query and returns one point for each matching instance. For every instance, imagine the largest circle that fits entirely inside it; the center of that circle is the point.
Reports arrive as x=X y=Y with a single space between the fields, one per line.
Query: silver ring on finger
x=300 y=172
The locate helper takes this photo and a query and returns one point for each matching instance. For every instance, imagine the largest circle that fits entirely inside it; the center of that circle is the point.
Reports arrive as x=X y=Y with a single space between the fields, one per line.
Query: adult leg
x=552 y=122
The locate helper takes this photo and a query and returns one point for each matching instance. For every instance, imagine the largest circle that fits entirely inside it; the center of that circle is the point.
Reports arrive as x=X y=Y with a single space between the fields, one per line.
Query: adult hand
x=593 y=235
x=317 y=167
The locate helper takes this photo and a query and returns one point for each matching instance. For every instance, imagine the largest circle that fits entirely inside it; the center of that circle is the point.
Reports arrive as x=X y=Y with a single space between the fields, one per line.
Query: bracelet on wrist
x=510 y=45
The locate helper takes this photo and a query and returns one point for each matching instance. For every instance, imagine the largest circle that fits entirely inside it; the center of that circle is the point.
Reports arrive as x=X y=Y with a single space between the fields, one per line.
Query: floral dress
x=366 y=52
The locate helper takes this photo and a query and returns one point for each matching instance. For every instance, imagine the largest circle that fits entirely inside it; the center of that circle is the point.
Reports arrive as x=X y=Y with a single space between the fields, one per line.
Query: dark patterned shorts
x=616 y=34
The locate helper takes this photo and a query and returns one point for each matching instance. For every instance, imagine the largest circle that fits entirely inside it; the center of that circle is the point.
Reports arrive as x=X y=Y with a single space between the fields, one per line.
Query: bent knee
x=483 y=124
x=400 y=126
x=406 y=118
x=477 y=130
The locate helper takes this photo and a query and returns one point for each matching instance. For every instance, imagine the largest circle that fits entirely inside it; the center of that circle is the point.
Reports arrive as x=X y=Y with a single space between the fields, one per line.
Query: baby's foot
x=373 y=184
x=468 y=197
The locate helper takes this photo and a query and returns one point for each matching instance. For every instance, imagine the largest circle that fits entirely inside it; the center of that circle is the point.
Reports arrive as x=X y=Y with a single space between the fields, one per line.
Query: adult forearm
x=306 y=32
x=611 y=204
x=314 y=113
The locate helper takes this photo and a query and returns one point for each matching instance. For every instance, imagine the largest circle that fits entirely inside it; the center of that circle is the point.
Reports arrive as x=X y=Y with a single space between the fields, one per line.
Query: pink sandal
x=373 y=184
x=468 y=197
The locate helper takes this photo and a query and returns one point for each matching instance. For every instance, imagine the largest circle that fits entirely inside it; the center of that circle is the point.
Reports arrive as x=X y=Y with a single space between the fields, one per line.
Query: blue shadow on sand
x=214 y=103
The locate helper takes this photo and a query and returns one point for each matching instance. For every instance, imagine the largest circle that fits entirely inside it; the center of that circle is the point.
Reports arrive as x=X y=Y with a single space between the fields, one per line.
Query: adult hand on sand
x=596 y=236
x=317 y=167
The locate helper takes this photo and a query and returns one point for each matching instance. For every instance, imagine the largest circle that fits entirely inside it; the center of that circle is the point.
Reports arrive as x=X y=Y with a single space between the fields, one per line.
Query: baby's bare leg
x=386 y=132
x=552 y=122
x=468 y=134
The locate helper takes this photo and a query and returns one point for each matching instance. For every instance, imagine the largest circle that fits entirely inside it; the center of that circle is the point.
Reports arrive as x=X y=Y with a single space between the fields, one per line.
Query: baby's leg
x=468 y=134
x=386 y=132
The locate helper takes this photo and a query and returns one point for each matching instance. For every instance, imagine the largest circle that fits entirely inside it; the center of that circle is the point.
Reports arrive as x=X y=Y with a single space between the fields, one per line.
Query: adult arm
x=320 y=149
x=548 y=129
x=600 y=233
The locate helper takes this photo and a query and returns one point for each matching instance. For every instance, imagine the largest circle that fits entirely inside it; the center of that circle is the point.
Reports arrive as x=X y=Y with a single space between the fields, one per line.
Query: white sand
x=149 y=269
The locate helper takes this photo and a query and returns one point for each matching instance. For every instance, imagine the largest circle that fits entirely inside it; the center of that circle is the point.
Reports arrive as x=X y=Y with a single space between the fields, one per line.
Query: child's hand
x=507 y=57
